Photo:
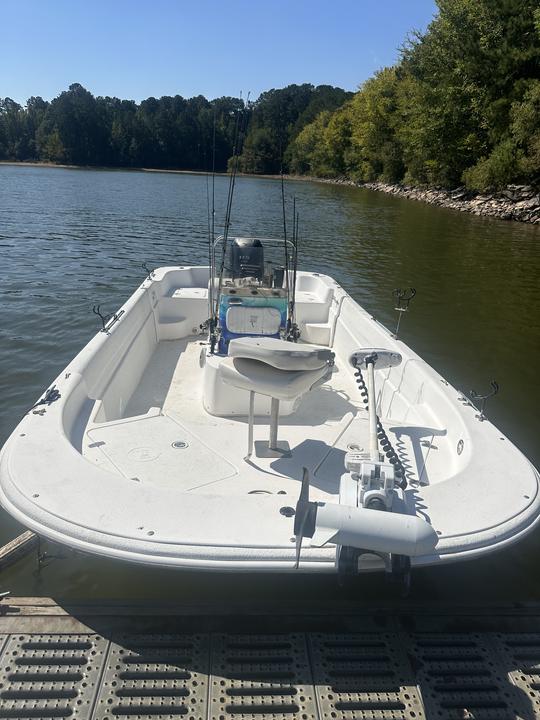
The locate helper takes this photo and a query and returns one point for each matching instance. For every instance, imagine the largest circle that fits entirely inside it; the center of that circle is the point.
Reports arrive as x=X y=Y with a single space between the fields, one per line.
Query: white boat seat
x=278 y=369
x=260 y=377
x=281 y=354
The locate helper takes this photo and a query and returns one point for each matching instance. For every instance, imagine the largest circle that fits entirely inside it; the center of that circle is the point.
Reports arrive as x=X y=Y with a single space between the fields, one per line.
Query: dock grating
x=261 y=675
x=364 y=676
x=393 y=672
x=154 y=676
x=520 y=656
x=50 y=675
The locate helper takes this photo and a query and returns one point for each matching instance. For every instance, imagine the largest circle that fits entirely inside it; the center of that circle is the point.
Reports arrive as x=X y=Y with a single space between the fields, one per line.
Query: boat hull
x=123 y=460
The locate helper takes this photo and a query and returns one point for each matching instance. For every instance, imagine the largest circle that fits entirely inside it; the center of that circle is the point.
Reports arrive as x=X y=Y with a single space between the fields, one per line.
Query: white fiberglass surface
x=167 y=438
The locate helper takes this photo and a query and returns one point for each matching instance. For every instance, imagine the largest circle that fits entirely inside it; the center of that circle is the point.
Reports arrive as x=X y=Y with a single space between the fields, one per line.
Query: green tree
x=13 y=131
x=277 y=117
x=308 y=153
x=461 y=105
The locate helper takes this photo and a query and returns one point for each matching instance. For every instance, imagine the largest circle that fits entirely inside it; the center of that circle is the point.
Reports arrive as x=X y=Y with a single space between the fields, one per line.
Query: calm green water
x=72 y=238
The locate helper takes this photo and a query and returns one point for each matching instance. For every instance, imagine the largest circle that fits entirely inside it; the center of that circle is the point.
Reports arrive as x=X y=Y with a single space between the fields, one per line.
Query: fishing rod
x=296 y=219
x=227 y=215
x=293 y=332
x=238 y=136
x=286 y=250
x=209 y=233
x=211 y=237
x=285 y=244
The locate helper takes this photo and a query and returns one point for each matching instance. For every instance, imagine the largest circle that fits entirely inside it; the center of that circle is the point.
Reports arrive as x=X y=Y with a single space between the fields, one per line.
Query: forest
x=77 y=128
x=461 y=107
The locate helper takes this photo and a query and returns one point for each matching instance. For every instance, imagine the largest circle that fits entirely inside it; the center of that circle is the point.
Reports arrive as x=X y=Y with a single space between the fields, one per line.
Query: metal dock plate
x=461 y=675
x=50 y=676
x=261 y=675
x=155 y=676
x=363 y=676
x=385 y=674
x=520 y=655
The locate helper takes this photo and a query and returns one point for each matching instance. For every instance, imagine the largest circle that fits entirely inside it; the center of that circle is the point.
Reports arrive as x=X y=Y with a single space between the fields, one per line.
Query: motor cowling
x=246 y=259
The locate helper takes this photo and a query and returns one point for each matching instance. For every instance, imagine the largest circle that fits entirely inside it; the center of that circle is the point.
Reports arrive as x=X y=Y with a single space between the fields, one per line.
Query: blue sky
x=134 y=49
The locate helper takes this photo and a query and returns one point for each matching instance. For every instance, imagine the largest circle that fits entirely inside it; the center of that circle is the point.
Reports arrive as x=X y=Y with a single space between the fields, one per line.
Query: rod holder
x=483 y=399
x=149 y=272
x=107 y=321
x=403 y=299
x=104 y=318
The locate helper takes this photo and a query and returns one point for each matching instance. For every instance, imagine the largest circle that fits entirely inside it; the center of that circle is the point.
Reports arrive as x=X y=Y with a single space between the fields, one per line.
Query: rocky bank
x=515 y=202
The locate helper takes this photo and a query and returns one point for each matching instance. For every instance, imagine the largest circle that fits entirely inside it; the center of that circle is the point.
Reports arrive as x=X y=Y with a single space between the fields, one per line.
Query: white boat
x=173 y=441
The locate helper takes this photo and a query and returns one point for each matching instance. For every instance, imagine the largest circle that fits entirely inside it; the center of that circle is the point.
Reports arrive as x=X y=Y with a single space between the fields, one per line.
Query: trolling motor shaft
x=376 y=472
x=370 y=361
x=367 y=525
x=373 y=359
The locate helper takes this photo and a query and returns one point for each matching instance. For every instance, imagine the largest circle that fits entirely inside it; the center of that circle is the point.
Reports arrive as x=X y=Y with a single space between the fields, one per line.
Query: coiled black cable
x=386 y=445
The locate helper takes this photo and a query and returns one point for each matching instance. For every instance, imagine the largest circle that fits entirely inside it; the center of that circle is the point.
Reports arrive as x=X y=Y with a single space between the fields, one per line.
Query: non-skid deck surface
x=159 y=449
x=388 y=673
x=168 y=438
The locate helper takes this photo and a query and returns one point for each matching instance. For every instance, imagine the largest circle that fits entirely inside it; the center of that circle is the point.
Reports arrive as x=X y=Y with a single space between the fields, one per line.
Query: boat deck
x=166 y=436
x=99 y=662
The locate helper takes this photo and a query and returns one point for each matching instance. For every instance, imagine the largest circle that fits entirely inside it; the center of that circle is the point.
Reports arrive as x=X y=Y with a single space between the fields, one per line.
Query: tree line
x=462 y=106
x=170 y=132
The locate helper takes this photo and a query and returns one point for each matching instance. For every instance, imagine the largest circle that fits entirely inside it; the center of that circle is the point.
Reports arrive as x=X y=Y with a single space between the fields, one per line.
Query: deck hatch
x=147 y=448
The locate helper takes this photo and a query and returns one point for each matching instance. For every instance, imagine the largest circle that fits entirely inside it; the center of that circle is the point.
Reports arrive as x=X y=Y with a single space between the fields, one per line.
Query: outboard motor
x=246 y=259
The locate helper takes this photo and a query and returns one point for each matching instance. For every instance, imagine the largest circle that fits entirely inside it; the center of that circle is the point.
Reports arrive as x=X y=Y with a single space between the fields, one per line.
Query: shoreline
x=111 y=168
x=520 y=203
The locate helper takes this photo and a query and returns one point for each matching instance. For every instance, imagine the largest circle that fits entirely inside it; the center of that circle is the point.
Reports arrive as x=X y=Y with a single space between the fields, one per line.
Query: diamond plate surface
x=520 y=655
x=254 y=676
x=460 y=676
x=363 y=676
x=50 y=676
x=155 y=676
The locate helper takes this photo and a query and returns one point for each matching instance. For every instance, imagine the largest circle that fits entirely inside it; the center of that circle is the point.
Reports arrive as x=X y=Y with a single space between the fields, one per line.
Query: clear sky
x=137 y=48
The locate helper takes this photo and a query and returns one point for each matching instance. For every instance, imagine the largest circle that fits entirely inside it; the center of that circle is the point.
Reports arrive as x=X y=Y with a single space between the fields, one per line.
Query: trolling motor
x=363 y=523
x=365 y=530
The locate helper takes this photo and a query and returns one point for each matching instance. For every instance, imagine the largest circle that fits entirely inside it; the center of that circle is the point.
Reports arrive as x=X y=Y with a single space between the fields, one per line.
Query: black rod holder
x=107 y=321
x=483 y=399
x=403 y=299
x=104 y=318
x=149 y=273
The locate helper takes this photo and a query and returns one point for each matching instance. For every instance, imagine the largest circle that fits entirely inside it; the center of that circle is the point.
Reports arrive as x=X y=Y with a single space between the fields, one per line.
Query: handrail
x=252 y=237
